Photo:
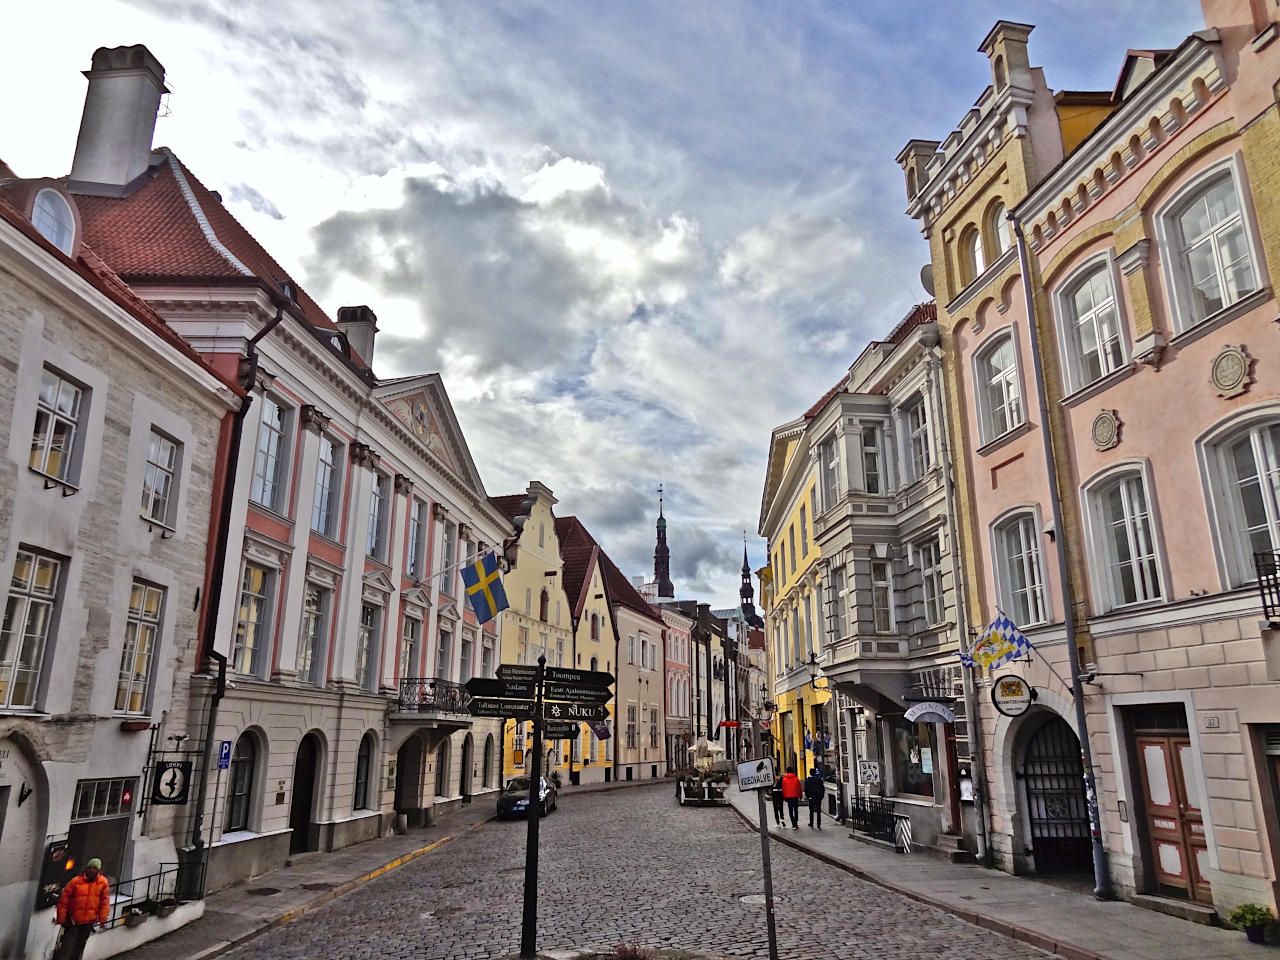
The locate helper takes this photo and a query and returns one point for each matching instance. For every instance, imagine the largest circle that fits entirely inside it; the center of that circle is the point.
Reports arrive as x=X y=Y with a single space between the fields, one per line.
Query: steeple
x=746 y=591
x=662 y=557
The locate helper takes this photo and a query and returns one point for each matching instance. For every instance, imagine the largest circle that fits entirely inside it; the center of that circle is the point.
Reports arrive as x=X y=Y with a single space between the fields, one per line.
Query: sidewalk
x=1059 y=919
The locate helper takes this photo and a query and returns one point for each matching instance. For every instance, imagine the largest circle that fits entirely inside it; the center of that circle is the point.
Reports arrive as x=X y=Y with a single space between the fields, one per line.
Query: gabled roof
x=174 y=229
x=443 y=427
x=93 y=269
x=579 y=554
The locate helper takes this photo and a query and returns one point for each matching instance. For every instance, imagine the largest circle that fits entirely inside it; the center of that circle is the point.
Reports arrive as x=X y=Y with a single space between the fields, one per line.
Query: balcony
x=432 y=701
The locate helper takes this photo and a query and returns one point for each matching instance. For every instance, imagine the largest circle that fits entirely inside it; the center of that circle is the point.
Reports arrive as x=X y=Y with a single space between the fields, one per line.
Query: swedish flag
x=484 y=588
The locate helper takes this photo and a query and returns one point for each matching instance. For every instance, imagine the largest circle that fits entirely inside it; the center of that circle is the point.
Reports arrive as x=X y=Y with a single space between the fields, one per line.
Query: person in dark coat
x=814 y=791
x=775 y=794
x=791 y=790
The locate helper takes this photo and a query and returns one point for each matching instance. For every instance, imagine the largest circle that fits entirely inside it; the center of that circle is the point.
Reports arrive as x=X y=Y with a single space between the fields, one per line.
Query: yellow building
x=538 y=620
x=802 y=722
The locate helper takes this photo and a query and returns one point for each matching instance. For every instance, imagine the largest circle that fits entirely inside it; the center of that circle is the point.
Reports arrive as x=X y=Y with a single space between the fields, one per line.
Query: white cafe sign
x=1012 y=695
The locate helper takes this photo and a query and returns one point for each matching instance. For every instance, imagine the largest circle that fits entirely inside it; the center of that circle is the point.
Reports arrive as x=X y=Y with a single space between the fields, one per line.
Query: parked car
x=514 y=800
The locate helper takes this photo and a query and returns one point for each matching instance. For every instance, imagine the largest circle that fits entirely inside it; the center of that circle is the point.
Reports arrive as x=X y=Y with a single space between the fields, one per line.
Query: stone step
x=950 y=848
x=1185 y=909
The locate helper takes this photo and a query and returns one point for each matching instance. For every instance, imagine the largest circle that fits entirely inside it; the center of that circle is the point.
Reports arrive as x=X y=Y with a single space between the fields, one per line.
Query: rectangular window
x=1129 y=542
x=931 y=577
x=791 y=538
x=378 y=517
x=804 y=530
x=53 y=439
x=449 y=571
x=366 y=650
x=311 y=659
x=101 y=814
x=653 y=728
x=872 y=474
x=644 y=652
x=882 y=596
x=444 y=655
x=141 y=636
x=522 y=646
x=559 y=652
x=464 y=672
x=417 y=539
x=918 y=440
x=837 y=602
x=249 y=646
x=28 y=620
x=324 y=512
x=631 y=649
x=1018 y=553
x=486 y=659
x=410 y=639
x=267 y=488
x=631 y=726
x=829 y=468
x=157 y=479
x=808 y=625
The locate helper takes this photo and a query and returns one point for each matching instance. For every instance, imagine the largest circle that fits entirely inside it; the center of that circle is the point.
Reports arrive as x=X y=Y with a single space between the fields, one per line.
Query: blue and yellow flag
x=484 y=588
x=1001 y=642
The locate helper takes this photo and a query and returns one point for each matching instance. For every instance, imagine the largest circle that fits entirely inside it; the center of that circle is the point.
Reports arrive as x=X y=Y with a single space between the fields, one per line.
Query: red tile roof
x=579 y=554
x=95 y=270
x=509 y=504
x=169 y=230
x=826 y=398
x=919 y=315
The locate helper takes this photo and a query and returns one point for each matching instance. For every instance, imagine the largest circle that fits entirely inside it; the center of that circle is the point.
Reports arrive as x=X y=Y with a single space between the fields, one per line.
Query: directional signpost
x=557 y=730
x=556 y=710
x=501 y=687
x=574 y=691
x=759 y=775
x=485 y=707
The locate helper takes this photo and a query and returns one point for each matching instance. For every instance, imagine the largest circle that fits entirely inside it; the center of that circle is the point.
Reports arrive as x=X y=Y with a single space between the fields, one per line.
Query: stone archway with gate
x=24 y=810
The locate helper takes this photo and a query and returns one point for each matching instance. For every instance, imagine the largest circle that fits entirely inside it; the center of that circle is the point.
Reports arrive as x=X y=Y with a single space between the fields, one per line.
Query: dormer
x=50 y=209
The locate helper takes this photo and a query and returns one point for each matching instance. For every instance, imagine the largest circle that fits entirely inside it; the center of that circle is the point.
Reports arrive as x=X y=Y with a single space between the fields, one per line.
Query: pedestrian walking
x=775 y=794
x=85 y=901
x=814 y=791
x=791 y=789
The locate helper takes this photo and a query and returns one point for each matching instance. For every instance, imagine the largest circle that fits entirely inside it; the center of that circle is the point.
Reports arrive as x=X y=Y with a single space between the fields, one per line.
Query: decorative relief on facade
x=362 y=455
x=313 y=420
x=1230 y=372
x=1105 y=430
x=403 y=484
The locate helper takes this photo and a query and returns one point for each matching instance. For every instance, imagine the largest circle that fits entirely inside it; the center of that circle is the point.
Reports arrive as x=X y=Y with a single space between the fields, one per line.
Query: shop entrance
x=304 y=835
x=1053 y=779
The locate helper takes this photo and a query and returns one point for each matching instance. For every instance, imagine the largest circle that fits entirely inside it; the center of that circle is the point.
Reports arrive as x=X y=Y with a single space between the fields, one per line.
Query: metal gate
x=1054 y=779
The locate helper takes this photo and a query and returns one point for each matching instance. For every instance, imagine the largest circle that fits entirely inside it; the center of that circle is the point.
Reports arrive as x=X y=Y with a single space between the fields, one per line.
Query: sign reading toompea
x=587 y=678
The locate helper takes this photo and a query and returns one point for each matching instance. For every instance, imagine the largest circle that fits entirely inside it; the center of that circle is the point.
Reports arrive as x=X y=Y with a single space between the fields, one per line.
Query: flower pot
x=135 y=919
x=1256 y=934
x=166 y=908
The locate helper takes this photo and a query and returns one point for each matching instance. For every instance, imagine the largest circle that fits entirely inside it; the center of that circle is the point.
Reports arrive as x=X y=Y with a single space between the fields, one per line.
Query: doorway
x=409 y=780
x=1177 y=849
x=24 y=813
x=442 y=769
x=305 y=833
x=1053 y=780
x=464 y=775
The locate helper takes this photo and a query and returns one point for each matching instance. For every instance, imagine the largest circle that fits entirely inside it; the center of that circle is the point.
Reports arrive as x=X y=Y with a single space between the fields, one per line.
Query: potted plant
x=134 y=917
x=1255 y=918
x=165 y=907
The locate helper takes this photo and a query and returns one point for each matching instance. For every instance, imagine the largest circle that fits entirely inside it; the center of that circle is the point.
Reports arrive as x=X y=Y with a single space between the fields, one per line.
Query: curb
x=994 y=924
x=222 y=947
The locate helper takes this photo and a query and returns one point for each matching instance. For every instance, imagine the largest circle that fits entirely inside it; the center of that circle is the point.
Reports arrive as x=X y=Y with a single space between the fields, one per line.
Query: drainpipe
x=248 y=374
x=1101 y=871
x=977 y=764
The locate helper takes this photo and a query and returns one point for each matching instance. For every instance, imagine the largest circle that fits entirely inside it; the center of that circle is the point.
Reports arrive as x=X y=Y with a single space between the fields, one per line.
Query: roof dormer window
x=51 y=215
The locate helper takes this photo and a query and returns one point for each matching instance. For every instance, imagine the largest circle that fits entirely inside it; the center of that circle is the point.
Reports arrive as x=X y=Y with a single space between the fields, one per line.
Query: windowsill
x=982 y=280
x=22 y=712
x=1221 y=318
x=1101 y=385
x=166 y=531
x=242 y=836
x=1136 y=606
x=912 y=799
x=69 y=489
x=991 y=446
x=270 y=512
x=326 y=538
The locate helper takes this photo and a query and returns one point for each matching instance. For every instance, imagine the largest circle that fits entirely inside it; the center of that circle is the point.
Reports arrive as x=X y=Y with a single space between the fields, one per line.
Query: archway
x=305 y=832
x=464 y=775
x=486 y=773
x=1052 y=777
x=24 y=812
x=442 y=769
x=409 y=780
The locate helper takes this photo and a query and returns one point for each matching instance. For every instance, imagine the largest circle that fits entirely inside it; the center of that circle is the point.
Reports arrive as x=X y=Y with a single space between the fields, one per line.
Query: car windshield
x=518 y=785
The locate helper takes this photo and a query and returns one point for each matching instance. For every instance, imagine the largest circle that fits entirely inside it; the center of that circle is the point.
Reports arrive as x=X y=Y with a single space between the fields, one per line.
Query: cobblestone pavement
x=627 y=867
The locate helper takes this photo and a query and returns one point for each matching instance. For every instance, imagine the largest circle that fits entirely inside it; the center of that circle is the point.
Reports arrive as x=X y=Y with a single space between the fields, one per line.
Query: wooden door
x=1175 y=824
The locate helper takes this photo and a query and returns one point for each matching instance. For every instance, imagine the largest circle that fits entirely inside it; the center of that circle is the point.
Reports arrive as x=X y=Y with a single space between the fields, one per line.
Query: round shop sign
x=1012 y=695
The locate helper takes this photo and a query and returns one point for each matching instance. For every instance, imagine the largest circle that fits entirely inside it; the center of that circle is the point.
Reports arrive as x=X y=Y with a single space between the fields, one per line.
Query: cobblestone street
x=606 y=881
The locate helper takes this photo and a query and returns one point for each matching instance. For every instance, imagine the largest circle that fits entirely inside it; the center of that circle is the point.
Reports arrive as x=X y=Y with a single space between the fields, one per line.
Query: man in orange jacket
x=791 y=790
x=86 y=900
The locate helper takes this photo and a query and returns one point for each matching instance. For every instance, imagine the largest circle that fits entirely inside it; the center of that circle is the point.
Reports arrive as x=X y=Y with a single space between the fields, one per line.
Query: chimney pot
x=360 y=325
x=119 y=120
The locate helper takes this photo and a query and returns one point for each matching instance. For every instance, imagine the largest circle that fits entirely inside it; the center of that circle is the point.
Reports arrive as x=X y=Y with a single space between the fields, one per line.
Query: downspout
x=1101 y=870
x=977 y=764
x=247 y=375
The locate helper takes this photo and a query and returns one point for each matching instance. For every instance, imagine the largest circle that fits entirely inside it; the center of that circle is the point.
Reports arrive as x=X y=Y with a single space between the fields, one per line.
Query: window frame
x=75 y=445
x=984 y=385
x=1020 y=515
x=380 y=497
x=52 y=602
x=314 y=646
x=279 y=482
x=130 y=648
x=1068 y=323
x=932 y=573
x=410 y=645
x=829 y=464
x=173 y=472
x=368 y=634
x=264 y=624
x=327 y=496
x=919 y=433
x=364 y=759
x=876 y=450
x=1100 y=557
x=416 y=540
x=240 y=795
x=1168 y=235
x=65 y=208
x=1235 y=560
x=885 y=585
x=998 y=230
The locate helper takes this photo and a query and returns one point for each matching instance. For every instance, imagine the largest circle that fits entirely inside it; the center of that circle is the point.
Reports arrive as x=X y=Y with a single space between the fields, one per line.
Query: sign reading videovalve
x=755 y=774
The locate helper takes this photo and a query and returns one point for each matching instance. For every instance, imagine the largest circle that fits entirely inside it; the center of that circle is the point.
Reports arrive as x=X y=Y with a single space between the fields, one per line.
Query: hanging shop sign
x=930 y=711
x=1012 y=695
x=869 y=772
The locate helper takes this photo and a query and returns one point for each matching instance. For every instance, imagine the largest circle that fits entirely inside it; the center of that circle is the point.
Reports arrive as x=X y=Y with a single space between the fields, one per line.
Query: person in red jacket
x=86 y=900
x=791 y=790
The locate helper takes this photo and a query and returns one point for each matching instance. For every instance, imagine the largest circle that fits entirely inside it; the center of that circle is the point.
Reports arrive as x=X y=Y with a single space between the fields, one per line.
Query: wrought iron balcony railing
x=1267 y=565
x=432 y=695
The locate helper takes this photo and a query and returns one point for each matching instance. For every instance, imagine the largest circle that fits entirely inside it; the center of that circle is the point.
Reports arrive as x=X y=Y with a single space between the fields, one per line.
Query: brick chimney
x=119 y=120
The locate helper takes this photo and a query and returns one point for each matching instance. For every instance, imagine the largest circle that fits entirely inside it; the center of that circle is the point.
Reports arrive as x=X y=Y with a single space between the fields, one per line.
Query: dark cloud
x=243 y=193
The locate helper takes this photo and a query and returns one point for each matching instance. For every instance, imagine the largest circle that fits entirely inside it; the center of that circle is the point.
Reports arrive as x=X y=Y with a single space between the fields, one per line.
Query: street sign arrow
x=587 y=678
x=517 y=689
x=573 y=691
x=556 y=730
x=516 y=671
x=485 y=707
x=574 y=711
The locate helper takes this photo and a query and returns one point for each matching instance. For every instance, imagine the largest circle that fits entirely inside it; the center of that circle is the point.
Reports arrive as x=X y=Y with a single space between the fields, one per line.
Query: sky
x=633 y=237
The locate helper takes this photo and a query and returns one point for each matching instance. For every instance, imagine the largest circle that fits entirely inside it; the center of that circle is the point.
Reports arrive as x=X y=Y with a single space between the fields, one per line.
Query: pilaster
x=399 y=527
x=357 y=534
x=313 y=423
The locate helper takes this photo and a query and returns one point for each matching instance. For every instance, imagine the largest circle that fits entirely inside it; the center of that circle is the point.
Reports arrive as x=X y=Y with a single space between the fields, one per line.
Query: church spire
x=662 y=557
x=746 y=591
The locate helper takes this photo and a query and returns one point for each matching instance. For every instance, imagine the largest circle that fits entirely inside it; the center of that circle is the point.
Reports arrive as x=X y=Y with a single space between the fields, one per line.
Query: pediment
x=377 y=582
x=448 y=610
x=416 y=596
x=422 y=405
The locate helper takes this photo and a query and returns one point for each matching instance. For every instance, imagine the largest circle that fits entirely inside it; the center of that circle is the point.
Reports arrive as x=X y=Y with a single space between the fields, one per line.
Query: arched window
x=364 y=764
x=998 y=388
x=999 y=230
x=997 y=71
x=595 y=628
x=51 y=215
x=1248 y=461
x=1127 y=561
x=241 y=777
x=544 y=603
x=595 y=663
x=1019 y=572
x=971 y=260
x=486 y=772
x=1089 y=321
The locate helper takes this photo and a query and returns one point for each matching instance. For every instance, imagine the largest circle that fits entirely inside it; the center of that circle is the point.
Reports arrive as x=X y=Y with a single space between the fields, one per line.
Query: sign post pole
x=529 y=921
x=768 y=876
